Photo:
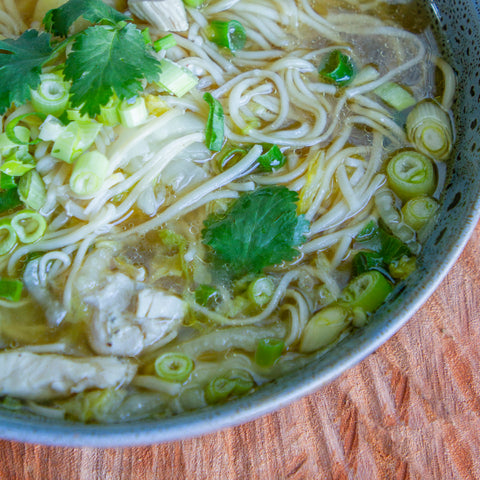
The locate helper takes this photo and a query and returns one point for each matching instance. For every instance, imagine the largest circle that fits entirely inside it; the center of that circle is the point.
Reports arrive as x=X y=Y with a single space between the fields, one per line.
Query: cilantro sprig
x=259 y=230
x=110 y=57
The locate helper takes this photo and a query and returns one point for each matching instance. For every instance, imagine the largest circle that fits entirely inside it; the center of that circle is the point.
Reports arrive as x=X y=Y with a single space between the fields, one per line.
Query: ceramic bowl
x=458 y=26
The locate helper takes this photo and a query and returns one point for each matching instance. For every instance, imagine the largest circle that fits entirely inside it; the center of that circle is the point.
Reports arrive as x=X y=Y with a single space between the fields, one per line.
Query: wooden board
x=409 y=411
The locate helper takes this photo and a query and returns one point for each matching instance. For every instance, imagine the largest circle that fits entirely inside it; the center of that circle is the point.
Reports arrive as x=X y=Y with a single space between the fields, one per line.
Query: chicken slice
x=34 y=376
x=166 y=15
x=115 y=330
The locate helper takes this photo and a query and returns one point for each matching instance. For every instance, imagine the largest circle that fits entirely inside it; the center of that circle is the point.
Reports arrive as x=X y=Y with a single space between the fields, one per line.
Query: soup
x=198 y=198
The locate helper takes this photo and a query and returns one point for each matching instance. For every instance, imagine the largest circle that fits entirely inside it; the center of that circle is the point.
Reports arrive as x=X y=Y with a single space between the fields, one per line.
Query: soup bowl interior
x=457 y=26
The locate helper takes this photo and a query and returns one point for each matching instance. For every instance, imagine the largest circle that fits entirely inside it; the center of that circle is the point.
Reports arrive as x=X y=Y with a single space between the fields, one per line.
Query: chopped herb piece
x=107 y=60
x=59 y=20
x=21 y=62
x=214 y=132
x=259 y=230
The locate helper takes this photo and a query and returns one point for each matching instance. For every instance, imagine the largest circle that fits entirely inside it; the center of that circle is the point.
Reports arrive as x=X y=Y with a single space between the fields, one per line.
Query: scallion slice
x=10 y=289
x=337 y=68
x=261 y=290
x=323 y=328
x=31 y=190
x=418 y=211
x=133 y=112
x=51 y=97
x=214 y=132
x=51 y=129
x=368 y=291
x=429 y=128
x=29 y=226
x=175 y=79
x=230 y=34
x=18 y=164
x=411 y=174
x=8 y=237
x=11 y=131
x=89 y=173
x=272 y=159
x=243 y=380
x=395 y=95
x=164 y=43
x=173 y=367
x=109 y=115
x=219 y=389
x=268 y=351
x=75 y=139
x=146 y=36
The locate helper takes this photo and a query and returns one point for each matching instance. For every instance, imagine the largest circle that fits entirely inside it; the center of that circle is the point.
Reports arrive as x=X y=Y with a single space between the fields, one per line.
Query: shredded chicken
x=166 y=15
x=34 y=376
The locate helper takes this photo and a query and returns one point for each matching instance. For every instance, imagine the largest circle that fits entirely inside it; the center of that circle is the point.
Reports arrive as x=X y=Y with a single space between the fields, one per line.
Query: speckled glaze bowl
x=458 y=24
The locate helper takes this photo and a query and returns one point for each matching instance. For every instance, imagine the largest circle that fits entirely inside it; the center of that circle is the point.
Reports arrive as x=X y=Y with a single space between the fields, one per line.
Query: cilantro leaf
x=260 y=229
x=21 y=63
x=59 y=20
x=106 y=60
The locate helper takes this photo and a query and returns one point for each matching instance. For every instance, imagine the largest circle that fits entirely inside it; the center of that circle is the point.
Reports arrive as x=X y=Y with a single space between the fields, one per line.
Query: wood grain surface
x=409 y=411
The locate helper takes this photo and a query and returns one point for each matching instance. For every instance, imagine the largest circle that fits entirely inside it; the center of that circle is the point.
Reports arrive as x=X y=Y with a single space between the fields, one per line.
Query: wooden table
x=409 y=411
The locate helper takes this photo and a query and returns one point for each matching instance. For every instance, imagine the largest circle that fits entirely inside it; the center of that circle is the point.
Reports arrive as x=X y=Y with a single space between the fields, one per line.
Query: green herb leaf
x=21 y=62
x=214 y=132
x=260 y=229
x=59 y=20
x=9 y=199
x=105 y=60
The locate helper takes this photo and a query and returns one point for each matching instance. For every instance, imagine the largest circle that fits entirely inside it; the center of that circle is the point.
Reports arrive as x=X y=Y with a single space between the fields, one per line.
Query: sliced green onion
x=230 y=154
x=243 y=381
x=89 y=173
x=8 y=237
x=402 y=267
x=10 y=289
x=9 y=200
x=411 y=174
x=337 y=68
x=366 y=75
x=109 y=115
x=75 y=139
x=74 y=115
x=395 y=96
x=429 y=128
x=261 y=290
x=11 y=131
x=418 y=211
x=146 y=36
x=164 y=43
x=22 y=137
x=51 y=129
x=7 y=182
x=32 y=191
x=272 y=159
x=360 y=317
x=268 y=351
x=368 y=291
x=193 y=3
x=29 y=226
x=323 y=328
x=51 y=97
x=174 y=367
x=133 y=113
x=214 y=132
x=219 y=389
x=229 y=34
x=175 y=79
x=206 y=295
x=18 y=164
